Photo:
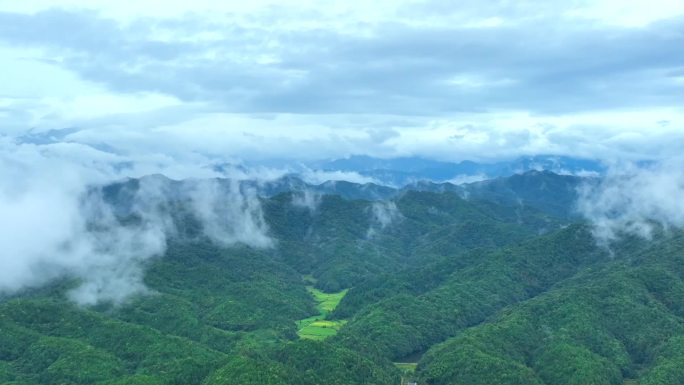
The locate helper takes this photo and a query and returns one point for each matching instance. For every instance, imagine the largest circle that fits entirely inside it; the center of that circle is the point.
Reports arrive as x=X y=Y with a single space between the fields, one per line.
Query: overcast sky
x=168 y=83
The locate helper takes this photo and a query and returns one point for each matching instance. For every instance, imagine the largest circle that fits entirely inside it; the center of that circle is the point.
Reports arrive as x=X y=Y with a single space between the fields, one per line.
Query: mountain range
x=408 y=170
x=493 y=282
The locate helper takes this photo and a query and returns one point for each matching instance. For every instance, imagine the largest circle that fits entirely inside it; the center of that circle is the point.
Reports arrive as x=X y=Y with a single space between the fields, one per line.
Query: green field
x=318 y=327
x=408 y=367
x=408 y=370
x=327 y=302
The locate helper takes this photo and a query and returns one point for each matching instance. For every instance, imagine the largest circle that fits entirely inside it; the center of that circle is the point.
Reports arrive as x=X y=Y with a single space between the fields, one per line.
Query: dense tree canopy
x=475 y=291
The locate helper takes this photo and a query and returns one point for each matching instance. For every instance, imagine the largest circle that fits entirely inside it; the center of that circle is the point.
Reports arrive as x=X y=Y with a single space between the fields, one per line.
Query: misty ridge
x=384 y=214
x=104 y=238
x=104 y=233
x=296 y=192
x=635 y=200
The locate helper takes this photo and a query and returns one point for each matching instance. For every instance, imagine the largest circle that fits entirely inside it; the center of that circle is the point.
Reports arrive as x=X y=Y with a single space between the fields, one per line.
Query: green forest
x=476 y=290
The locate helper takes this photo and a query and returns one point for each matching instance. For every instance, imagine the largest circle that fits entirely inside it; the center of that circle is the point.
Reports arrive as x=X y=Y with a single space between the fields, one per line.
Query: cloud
x=383 y=215
x=229 y=213
x=396 y=68
x=47 y=215
x=307 y=199
x=55 y=220
x=464 y=179
x=635 y=199
x=302 y=80
x=109 y=255
x=320 y=176
x=97 y=92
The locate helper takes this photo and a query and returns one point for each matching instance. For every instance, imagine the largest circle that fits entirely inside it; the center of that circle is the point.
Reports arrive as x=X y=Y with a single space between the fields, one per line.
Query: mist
x=383 y=215
x=307 y=199
x=55 y=222
x=634 y=200
x=229 y=213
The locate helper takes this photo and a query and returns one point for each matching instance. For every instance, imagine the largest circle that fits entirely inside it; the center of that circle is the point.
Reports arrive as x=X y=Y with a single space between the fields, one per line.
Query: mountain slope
x=619 y=321
x=477 y=290
x=403 y=171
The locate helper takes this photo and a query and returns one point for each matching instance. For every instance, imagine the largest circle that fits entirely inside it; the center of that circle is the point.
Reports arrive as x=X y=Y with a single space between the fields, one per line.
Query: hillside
x=474 y=288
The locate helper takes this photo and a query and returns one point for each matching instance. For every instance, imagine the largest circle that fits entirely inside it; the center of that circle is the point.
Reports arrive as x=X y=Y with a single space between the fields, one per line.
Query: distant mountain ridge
x=546 y=191
x=492 y=282
x=407 y=170
x=395 y=172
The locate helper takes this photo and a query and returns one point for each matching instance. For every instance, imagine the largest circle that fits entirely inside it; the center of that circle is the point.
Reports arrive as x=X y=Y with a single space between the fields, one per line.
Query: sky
x=169 y=85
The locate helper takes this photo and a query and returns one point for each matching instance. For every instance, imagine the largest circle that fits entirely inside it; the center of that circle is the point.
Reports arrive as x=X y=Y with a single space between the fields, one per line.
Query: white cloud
x=635 y=199
x=628 y=13
x=55 y=223
x=179 y=87
x=307 y=199
x=267 y=79
x=463 y=179
x=318 y=176
x=229 y=215
x=383 y=215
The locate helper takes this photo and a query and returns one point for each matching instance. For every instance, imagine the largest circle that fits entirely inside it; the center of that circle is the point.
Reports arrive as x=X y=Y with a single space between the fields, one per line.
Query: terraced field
x=318 y=327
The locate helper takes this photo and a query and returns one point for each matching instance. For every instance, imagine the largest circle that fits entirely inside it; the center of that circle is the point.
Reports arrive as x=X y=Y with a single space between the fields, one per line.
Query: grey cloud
x=77 y=33
x=546 y=66
x=408 y=68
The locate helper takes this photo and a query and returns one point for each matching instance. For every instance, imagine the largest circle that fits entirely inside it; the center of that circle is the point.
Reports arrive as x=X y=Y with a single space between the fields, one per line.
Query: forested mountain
x=408 y=170
x=495 y=282
x=544 y=190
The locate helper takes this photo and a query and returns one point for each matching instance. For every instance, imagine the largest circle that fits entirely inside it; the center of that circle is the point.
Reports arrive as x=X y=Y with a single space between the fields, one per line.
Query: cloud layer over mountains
x=306 y=80
x=93 y=92
x=635 y=200
x=56 y=223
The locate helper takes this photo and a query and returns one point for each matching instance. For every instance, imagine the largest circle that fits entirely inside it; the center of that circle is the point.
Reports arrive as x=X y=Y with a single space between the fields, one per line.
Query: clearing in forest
x=318 y=327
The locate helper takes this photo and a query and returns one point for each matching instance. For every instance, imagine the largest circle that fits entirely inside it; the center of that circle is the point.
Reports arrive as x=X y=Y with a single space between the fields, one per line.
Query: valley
x=318 y=327
x=449 y=291
x=404 y=192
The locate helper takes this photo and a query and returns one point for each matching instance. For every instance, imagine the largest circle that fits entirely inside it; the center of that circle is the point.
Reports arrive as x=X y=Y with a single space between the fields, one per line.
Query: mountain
x=544 y=190
x=402 y=171
x=616 y=323
x=493 y=282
